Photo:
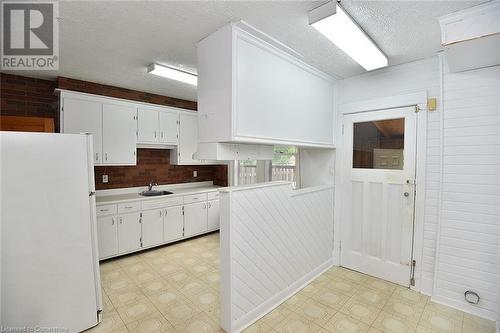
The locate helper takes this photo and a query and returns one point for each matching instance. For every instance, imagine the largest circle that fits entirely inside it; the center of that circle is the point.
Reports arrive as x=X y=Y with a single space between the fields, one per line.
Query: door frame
x=418 y=99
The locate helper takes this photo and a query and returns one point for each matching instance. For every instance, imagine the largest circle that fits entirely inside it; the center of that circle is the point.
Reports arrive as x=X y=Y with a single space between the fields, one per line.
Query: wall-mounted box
x=471 y=37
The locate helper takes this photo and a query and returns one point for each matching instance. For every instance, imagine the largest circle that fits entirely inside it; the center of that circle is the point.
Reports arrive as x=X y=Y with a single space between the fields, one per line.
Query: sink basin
x=154 y=193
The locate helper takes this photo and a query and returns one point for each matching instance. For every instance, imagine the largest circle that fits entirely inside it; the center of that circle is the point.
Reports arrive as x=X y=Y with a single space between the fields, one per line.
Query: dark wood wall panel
x=134 y=95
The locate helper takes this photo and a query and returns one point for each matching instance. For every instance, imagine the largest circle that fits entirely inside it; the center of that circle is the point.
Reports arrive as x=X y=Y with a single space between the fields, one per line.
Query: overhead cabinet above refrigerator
x=254 y=89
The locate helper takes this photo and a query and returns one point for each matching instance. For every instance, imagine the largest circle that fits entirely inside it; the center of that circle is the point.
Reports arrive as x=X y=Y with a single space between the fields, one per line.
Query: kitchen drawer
x=195 y=198
x=213 y=195
x=162 y=203
x=129 y=207
x=105 y=210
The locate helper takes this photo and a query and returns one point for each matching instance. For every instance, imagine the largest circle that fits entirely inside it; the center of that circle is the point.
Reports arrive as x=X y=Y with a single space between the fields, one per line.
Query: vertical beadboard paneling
x=274 y=241
x=469 y=238
x=417 y=76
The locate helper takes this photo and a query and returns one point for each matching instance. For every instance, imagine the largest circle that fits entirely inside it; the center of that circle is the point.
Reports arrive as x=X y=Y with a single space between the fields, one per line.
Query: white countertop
x=293 y=192
x=132 y=193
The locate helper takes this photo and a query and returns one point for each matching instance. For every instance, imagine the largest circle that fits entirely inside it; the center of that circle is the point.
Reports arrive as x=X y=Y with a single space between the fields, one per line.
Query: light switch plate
x=104 y=178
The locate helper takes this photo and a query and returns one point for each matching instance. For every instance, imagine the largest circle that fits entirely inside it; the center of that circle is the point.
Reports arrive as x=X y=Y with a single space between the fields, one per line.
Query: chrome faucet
x=150 y=186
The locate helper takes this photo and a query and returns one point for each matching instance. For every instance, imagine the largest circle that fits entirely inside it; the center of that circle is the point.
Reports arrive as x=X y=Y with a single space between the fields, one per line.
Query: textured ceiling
x=112 y=42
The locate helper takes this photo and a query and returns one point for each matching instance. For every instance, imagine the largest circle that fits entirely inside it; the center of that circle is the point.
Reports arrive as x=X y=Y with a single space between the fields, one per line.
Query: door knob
x=406 y=194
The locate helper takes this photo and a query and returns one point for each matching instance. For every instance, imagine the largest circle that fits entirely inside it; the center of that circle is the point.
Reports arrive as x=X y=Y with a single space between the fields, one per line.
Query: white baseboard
x=279 y=298
x=483 y=313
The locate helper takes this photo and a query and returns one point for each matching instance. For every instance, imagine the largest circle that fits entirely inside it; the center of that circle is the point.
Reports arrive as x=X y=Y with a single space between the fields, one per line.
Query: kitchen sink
x=154 y=193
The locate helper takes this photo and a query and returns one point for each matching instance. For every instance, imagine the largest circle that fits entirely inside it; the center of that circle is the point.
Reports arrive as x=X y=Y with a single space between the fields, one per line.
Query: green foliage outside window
x=284 y=155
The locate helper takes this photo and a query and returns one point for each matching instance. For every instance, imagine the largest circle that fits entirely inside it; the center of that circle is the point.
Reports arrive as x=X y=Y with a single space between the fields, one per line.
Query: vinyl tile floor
x=175 y=288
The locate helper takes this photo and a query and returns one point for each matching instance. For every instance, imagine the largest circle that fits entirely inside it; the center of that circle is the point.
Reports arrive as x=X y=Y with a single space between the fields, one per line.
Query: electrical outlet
x=104 y=178
x=195 y=173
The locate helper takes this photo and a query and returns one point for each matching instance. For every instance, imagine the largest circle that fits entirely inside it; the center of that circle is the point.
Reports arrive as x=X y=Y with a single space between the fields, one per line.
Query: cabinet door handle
x=97 y=156
x=204 y=206
x=209 y=205
x=166 y=211
x=112 y=221
x=129 y=207
x=155 y=134
x=121 y=220
x=160 y=212
x=106 y=156
x=161 y=134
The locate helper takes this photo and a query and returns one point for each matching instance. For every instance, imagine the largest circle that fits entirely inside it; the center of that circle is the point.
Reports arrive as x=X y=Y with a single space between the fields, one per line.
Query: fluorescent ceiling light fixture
x=333 y=21
x=173 y=74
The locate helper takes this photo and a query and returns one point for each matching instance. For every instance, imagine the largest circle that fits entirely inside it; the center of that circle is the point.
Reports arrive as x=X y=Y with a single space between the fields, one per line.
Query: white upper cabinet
x=188 y=139
x=120 y=126
x=169 y=127
x=147 y=125
x=119 y=134
x=253 y=89
x=157 y=126
x=186 y=153
x=83 y=116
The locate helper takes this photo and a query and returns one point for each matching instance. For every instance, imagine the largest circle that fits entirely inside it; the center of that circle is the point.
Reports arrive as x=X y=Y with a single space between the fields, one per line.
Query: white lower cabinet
x=124 y=227
x=152 y=227
x=173 y=224
x=129 y=232
x=195 y=218
x=213 y=214
x=107 y=236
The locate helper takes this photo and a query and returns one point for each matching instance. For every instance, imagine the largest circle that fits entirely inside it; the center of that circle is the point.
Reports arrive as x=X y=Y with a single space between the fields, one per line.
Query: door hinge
x=412 y=276
x=140 y=239
x=417 y=109
x=182 y=210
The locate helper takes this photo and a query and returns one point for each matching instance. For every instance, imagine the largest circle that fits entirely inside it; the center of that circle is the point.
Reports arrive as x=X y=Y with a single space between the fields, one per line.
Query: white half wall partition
x=274 y=241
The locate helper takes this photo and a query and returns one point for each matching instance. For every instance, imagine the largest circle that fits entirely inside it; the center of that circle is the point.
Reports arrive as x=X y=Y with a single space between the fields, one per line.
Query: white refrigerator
x=49 y=262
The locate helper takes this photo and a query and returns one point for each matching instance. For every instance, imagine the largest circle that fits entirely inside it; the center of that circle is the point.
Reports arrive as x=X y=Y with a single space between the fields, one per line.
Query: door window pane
x=378 y=144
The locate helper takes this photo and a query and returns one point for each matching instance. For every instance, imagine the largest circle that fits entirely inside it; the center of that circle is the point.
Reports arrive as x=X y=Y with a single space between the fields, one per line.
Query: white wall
x=469 y=229
x=462 y=172
x=317 y=167
x=274 y=241
x=398 y=80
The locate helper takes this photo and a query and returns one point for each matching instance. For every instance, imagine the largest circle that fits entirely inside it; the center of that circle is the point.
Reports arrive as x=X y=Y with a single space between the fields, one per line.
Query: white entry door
x=378 y=198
